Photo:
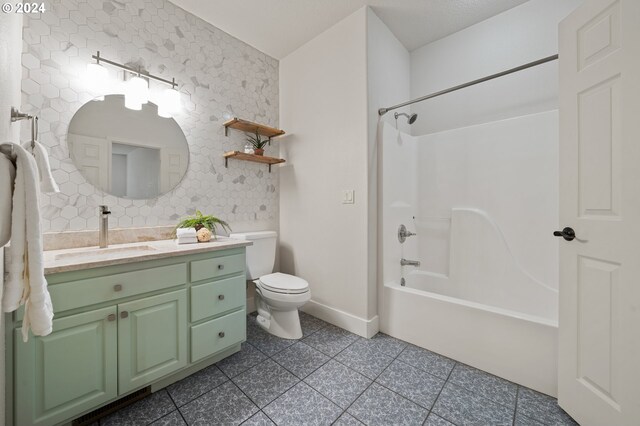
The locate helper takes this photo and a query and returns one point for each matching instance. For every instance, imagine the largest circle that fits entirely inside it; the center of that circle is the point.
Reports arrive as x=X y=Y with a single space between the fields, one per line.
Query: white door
x=599 y=339
x=173 y=163
x=92 y=156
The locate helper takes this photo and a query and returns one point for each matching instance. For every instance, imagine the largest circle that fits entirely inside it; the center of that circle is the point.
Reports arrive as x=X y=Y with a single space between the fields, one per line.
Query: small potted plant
x=206 y=222
x=258 y=143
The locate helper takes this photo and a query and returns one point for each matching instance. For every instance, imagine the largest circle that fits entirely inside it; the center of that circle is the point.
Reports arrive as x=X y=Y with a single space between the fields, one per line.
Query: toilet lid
x=284 y=283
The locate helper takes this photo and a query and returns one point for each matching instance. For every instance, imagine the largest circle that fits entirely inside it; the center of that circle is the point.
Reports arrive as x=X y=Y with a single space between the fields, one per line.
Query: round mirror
x=127 y=153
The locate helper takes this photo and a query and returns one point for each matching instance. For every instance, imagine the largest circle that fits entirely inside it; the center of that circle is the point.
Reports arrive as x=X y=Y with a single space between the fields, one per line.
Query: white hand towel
x=186 y=232
x=25 y=282
x=187 y=240
x=47 y=183
x=7 y=177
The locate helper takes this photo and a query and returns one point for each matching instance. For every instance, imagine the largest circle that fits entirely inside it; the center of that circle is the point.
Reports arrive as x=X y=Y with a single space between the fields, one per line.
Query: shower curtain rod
x=383 y=111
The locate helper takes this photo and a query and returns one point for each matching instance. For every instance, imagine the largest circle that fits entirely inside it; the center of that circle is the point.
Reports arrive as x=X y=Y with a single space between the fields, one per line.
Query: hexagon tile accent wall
x=219 y=76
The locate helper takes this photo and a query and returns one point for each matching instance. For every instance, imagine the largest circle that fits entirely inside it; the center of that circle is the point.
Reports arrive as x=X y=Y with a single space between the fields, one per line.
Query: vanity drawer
x=76 y=294
x=216 y=267
x=217 y=297
x=218 y=334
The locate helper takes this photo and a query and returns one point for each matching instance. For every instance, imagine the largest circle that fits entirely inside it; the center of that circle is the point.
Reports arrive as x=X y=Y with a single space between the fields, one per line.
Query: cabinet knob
x=221 y=297
x=221 y=267
x=124 y=314
x=221 y=334
x=117 y=287
x=111 y=317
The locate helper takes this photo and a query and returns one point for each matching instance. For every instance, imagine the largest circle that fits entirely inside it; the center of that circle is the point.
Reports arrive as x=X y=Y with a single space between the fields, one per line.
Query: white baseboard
x=352 y=323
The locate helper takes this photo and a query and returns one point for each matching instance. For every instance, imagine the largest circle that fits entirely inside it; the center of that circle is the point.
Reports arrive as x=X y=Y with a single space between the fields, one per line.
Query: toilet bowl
x=278 y=295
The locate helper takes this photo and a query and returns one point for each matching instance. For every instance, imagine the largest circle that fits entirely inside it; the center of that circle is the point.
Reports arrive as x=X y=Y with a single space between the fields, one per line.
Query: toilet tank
x=261 y=256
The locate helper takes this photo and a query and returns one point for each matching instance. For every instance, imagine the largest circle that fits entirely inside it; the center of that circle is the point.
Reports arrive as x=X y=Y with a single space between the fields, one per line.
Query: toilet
x=278 y=296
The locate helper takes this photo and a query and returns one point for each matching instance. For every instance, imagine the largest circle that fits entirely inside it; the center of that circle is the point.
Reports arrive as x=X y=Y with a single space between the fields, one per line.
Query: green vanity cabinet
x=120 y=328
x=69 y=371
x=152 y=339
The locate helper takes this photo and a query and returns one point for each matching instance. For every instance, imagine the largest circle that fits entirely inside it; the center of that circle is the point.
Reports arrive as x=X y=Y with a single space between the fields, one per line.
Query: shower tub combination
x=486 y=291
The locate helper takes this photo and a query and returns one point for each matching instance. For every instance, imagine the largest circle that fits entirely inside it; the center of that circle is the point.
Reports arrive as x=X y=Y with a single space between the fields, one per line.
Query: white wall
x=520 y=35
x=323 y=105
x=10 y=70
x=388 y=76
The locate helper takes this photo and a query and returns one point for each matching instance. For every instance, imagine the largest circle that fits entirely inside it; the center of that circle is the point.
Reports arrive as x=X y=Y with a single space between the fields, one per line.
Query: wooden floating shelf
x=251 y=127
x=251 y=157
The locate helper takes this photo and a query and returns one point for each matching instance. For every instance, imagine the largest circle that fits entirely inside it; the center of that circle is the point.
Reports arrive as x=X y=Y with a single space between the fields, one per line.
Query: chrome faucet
x=403 y=234
x=104 y=226
x=405 y=262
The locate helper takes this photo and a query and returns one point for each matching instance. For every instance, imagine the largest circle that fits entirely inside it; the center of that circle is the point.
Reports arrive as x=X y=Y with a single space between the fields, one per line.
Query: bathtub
x=519 y=347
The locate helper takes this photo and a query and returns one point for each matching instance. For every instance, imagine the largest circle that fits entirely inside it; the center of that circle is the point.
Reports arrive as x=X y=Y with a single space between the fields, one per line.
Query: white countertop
x=56 y=261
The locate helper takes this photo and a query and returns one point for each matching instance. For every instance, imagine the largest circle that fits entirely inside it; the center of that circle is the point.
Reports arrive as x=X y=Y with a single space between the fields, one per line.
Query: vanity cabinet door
x=68 y=372
x=152 y=339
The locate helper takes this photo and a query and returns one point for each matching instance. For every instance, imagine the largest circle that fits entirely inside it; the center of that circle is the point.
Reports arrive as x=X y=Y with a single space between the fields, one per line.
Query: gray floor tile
x=310 y=324
x=380 y=406
x=340 y=384
x=364 y=359
x=522 y=420
x=347 y=419
x=435 y=420
x=428 y=361
x=300 y=359
x=199 y=383
x=485 y=384
x=412 y=383
x=330 y=340
x=259 y=419
x=386 y=344
x=462 y=407
x=302 y=405
x=542 y=408
x=225 y=405
x=241 y=361
x=263 y=341
x=265 y=382
x=144 y=411
x=171 y=419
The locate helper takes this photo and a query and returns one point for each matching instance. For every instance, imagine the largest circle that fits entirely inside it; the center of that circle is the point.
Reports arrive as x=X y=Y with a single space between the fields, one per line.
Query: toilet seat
x=283 y=283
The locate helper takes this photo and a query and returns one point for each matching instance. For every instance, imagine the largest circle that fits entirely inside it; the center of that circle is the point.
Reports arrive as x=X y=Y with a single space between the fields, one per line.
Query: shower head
x=410 y=118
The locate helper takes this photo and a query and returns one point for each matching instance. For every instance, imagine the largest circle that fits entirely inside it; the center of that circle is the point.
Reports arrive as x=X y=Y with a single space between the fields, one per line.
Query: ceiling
x=278 y=27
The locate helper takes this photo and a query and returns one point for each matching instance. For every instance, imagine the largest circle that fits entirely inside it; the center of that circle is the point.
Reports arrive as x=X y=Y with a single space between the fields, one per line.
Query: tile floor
x=331 y=376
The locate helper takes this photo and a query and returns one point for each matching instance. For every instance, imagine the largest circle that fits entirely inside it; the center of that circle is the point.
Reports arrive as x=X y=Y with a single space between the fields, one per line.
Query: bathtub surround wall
x=218 y=76
x=10 y=44
x=323 y=100
x=523 y=34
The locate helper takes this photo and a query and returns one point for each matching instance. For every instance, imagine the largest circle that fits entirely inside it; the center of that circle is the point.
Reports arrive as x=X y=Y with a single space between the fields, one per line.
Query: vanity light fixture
x=136 y=92
x=97 y=76
x=169 y=102
x=137 y=87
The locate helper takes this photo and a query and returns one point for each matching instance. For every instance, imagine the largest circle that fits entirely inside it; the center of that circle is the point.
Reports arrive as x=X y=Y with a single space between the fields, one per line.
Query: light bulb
x=96 y=77
x=132 y=103
x=169 y=103
x=137 y=91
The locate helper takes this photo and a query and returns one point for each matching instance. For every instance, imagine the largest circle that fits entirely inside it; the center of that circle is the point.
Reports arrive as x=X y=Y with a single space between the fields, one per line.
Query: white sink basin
x=106 y=252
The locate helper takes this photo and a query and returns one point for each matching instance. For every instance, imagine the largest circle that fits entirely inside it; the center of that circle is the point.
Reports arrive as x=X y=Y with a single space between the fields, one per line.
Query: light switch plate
x=348 y=196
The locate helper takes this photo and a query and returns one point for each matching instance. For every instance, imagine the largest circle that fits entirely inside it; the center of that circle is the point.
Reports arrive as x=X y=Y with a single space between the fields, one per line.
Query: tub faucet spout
x=406 y=262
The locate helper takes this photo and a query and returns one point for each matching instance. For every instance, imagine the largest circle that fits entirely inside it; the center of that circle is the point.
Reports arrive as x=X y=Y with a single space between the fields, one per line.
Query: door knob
x=567 y=233
x=124 y=314
x=221 y=334
x=221 y=297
